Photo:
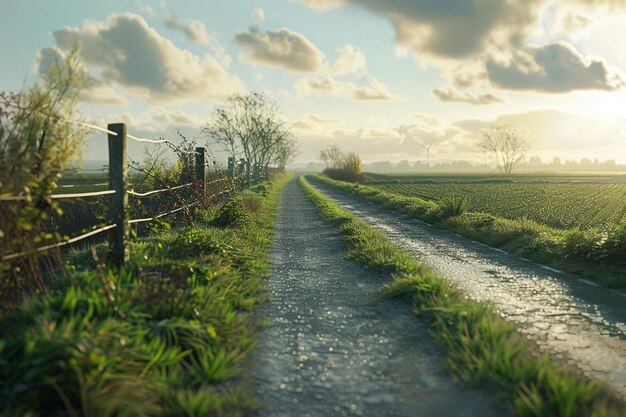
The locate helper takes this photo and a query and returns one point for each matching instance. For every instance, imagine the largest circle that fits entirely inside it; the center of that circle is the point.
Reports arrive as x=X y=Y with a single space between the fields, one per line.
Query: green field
x=555 y=201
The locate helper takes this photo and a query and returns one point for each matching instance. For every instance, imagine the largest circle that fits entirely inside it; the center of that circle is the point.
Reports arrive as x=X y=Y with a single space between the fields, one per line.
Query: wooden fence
x=239 y=174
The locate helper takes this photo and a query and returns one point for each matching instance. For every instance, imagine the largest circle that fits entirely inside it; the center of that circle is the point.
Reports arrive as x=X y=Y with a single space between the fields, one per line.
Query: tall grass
x=164 y=336
x=484 y=350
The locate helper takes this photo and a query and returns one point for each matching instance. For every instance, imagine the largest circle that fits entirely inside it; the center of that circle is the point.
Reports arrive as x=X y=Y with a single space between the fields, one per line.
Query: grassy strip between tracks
x=165 y=336
x=483 y=349
x=587 y=252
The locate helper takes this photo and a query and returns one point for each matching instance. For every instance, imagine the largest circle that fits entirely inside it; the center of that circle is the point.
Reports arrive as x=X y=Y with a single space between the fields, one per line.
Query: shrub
x=452 y=206
x=350 y=169
x=232 y=213
x=35 y=147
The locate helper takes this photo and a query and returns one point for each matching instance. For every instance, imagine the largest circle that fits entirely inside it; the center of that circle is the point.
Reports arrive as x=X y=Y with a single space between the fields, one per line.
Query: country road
x=567 y=315
x=334 y=347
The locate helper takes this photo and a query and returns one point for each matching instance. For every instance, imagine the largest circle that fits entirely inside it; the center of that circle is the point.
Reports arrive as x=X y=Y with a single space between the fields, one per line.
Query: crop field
x=558 y=204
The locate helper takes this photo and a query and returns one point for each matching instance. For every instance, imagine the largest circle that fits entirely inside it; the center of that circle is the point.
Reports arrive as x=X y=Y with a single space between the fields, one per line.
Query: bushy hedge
x=343 y=174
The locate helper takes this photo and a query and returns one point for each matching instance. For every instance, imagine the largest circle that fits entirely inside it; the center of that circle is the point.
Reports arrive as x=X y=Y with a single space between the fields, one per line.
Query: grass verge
x=165 y=336
x=594 y=254
x=483 y=349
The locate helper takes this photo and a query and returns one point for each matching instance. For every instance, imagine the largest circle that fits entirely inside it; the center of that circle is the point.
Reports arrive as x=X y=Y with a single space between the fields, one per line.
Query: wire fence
x=230 y=178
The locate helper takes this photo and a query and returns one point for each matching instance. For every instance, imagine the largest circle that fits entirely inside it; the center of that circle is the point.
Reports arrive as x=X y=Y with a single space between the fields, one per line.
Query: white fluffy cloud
x=452 y=95
x=128 y=53
x=555 y=68
x=292 y=51
x=96 y=92
x=258 y=15
x=280 y=48
x=375 y=91
x=194 y=30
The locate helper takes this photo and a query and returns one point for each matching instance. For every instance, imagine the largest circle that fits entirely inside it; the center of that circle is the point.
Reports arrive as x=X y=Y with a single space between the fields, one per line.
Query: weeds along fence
x=114 y=202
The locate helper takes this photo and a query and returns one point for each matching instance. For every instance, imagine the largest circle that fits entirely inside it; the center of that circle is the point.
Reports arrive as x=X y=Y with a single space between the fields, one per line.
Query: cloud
x=258 y=15
x=554 y=68
x=315 y=123
x=282 y=48
x=130 y=54
x=194 y=30
x=450 y=28
x=95 y=92
x=376 y=91
x=292 y=51
x=47 y=58
x=350 y=60
x=452 y=95
x=323 y=120
x=146 y=10
x=555 y=132
x=104 y=95
x=158 y=120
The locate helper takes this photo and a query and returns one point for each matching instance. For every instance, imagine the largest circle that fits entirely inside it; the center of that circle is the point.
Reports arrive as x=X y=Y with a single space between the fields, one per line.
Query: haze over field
x=376 y=77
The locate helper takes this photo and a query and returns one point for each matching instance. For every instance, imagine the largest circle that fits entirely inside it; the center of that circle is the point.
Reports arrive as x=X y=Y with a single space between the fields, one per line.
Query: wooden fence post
x=231 y=166
x=200 y=169
x=248 y=174
x=241 y=182
x=118 y=181
x=256 y=173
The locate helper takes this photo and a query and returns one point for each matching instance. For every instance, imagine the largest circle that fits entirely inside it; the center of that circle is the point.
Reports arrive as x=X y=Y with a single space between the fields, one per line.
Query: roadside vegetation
x=167 y=333
x=484 y=350
x=594 y=253
x=164 y=336
x=342 y=166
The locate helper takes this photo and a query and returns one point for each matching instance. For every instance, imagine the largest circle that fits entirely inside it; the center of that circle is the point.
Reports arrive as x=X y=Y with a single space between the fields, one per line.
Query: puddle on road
x=563 y=313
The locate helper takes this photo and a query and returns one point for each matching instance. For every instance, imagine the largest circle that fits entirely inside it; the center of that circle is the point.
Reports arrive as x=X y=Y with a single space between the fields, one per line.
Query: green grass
x=596 y=254
x=558 y=205
x=483 y=349
x=164 y=336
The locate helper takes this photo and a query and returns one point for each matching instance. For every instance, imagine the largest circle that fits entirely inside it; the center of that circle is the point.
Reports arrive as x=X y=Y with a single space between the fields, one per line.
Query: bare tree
x=250 y=126
x=506 y=146
x=332 y=156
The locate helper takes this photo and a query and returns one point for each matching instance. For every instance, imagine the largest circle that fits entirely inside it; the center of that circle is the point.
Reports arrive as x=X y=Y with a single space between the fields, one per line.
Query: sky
x=384 y=79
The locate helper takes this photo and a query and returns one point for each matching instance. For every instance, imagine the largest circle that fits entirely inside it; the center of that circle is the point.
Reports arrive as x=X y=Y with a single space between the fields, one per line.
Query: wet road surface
x=334 y=347
x=566 y=314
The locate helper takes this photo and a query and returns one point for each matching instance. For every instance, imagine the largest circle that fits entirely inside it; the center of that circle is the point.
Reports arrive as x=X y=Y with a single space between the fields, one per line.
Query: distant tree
x=506 y=146
x=332 y=156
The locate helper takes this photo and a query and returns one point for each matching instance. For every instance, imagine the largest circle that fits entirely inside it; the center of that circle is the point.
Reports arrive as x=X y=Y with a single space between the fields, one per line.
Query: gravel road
x=567 y=315
x=334 y=347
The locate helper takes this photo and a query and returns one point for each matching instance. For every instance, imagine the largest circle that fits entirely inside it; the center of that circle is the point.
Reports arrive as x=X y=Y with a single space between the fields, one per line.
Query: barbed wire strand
x=61 y=196
x=58 y=245
x=148 y=219
x=136 y=194
x=83 y=185
x=159 y=141
x=110 y=132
